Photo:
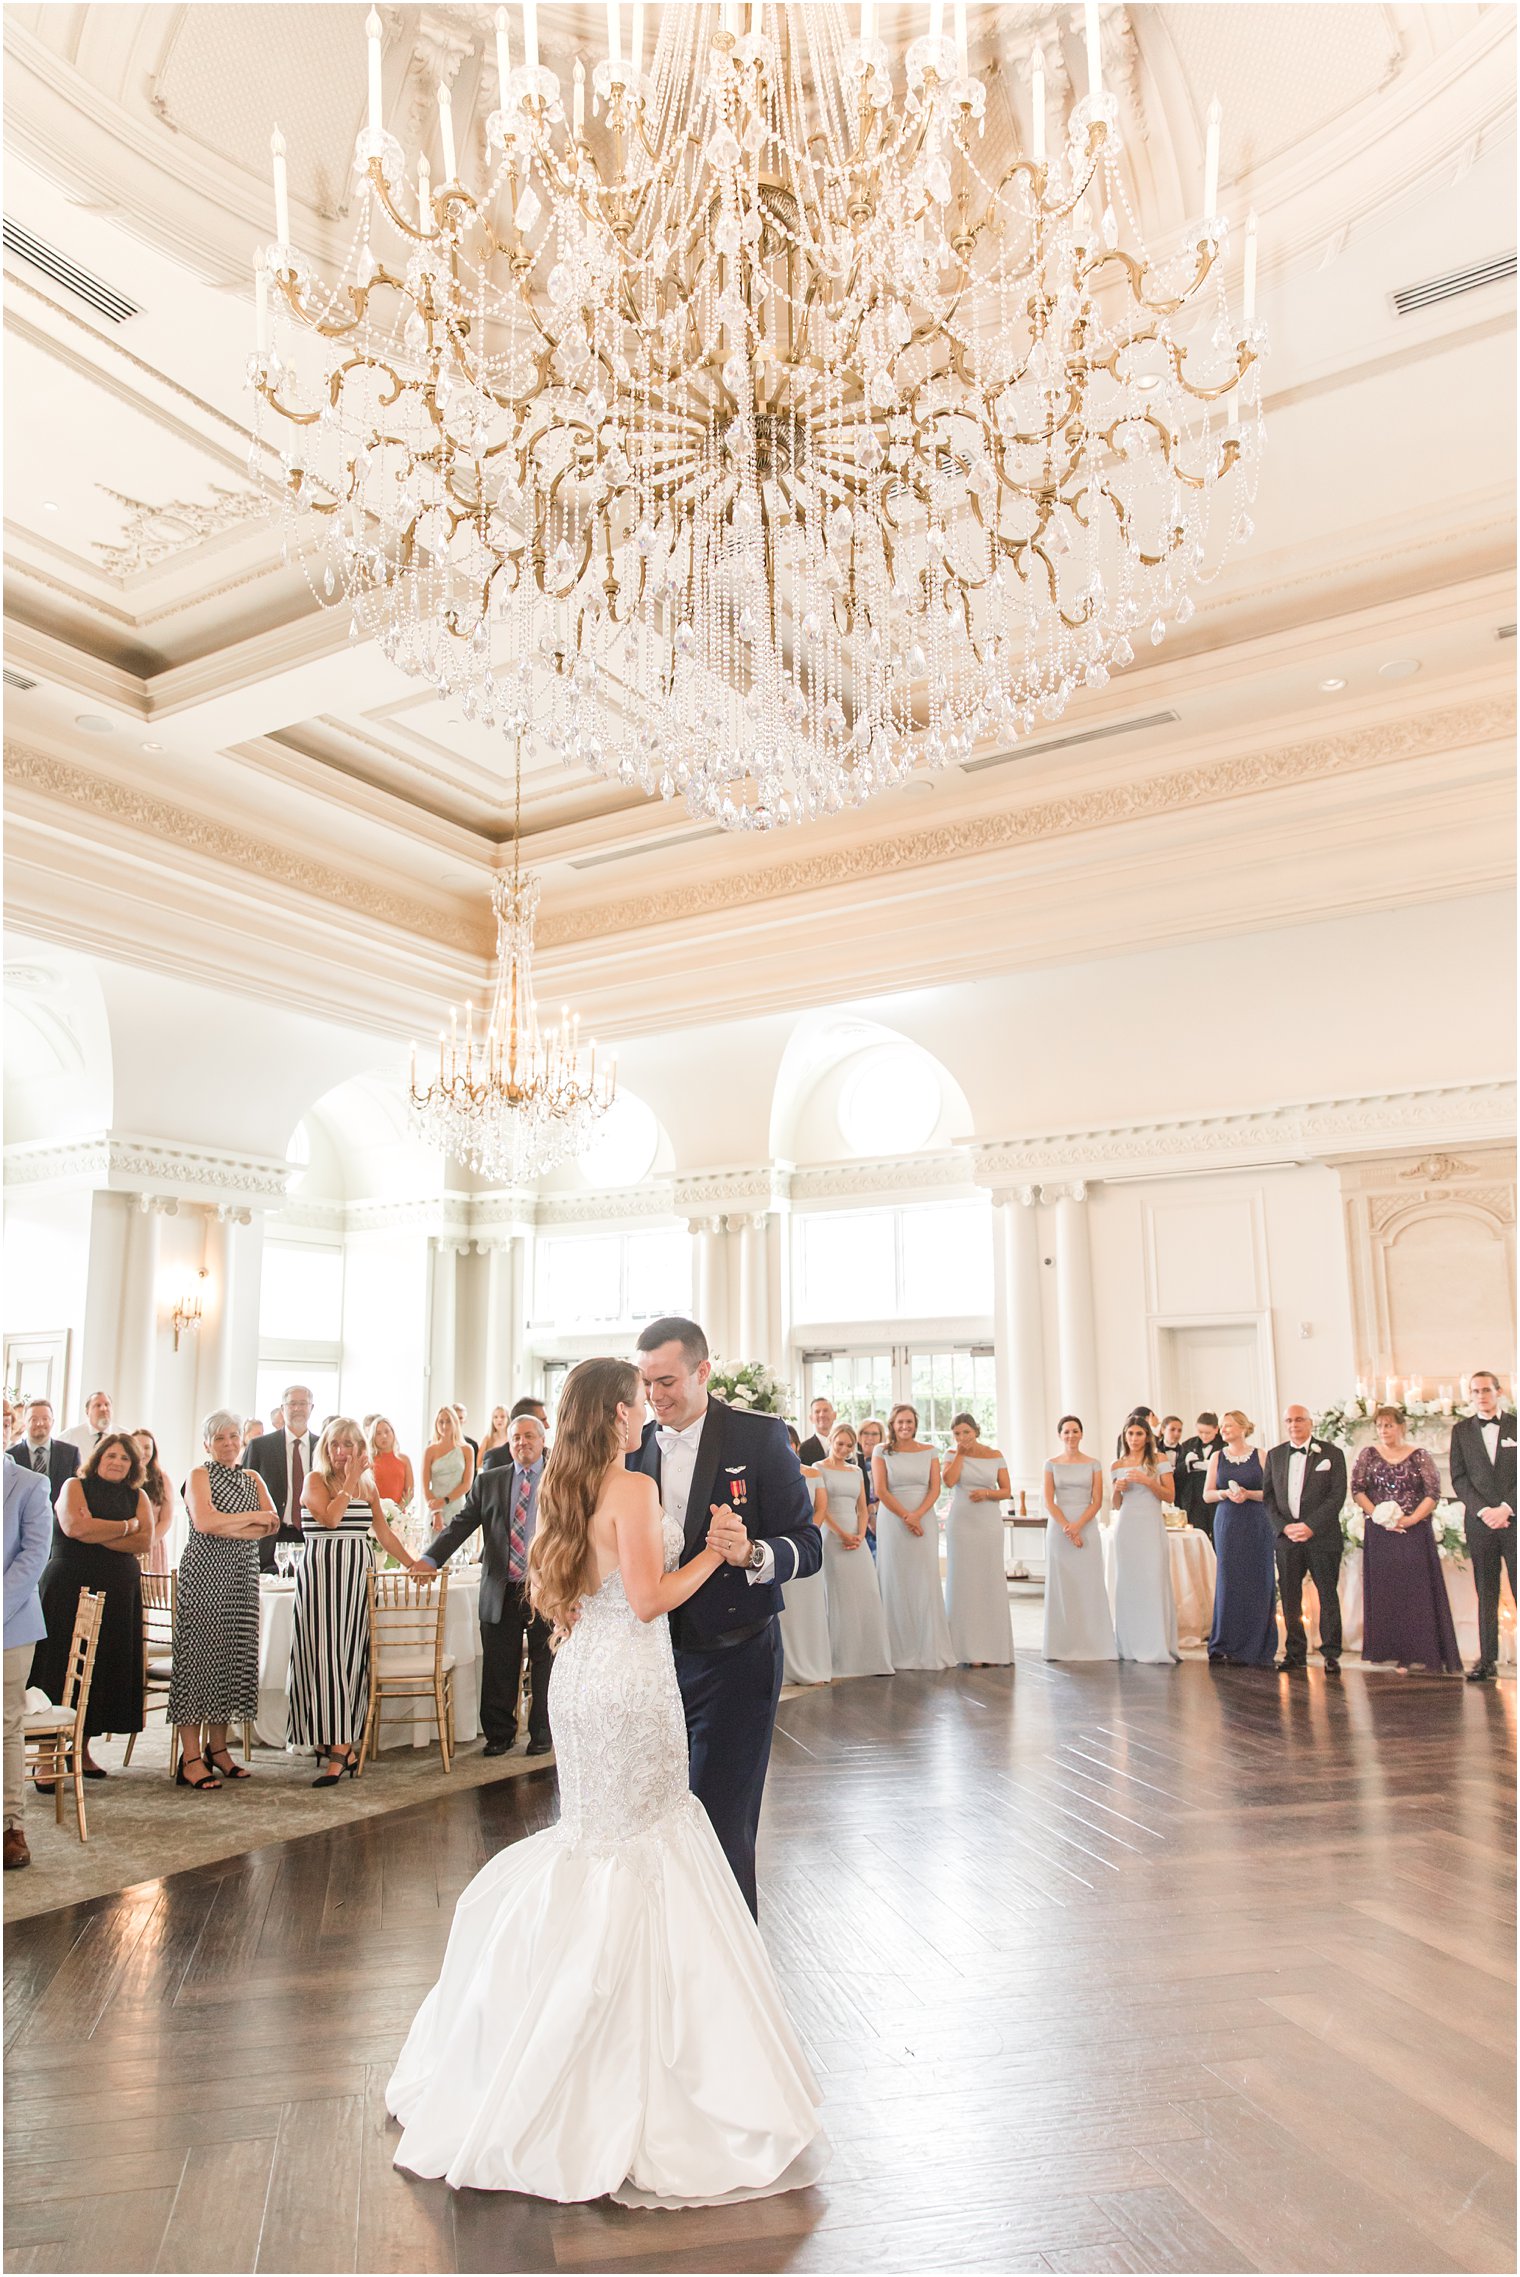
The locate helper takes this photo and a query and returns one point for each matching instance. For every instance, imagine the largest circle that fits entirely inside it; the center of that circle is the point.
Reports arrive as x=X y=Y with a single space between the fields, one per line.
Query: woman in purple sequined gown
x=1406 y=1613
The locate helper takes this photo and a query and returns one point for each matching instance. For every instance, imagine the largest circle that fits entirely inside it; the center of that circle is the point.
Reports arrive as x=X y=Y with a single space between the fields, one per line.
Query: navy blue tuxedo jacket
x=747 y=1462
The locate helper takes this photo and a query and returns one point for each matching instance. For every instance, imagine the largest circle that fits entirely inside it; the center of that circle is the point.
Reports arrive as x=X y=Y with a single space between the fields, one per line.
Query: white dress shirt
x=678 y=1462
x=1298 y=1465
x=1489 y=1426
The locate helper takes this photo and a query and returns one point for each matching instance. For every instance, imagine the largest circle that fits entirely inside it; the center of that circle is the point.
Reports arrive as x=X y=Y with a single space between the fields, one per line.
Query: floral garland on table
x=749 y=1385
x=1339 y=1422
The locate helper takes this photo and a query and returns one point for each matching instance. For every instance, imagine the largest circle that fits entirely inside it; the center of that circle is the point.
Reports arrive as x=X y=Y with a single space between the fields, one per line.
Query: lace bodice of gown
x=615 y=1712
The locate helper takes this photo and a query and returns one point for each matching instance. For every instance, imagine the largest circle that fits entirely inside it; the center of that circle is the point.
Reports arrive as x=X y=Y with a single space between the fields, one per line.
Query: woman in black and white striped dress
x=329 y=1654
x=215 y=1678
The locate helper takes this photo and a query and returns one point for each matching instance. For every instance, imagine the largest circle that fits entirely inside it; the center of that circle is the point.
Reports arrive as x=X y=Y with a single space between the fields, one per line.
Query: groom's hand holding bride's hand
x=727 y=1536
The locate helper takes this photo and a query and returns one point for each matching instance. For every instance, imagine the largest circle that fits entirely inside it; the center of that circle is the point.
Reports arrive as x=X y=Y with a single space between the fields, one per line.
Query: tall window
x=925 y=1261
x=300 y=1324
x=583 y=1281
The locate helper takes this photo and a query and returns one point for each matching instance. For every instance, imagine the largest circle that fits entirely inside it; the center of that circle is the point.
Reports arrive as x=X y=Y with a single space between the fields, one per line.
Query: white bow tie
x=669 y=1437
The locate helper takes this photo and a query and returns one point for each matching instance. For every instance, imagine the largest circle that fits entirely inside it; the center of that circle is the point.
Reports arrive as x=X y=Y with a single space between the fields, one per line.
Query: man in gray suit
x=503 y=1503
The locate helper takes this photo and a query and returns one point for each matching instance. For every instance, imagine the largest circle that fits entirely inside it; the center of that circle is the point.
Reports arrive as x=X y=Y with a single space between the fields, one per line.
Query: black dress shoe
x=498 y=1747
x=1482 y=1672
x=1292 y=1668
x=1332 y=1667
x=539 y=1747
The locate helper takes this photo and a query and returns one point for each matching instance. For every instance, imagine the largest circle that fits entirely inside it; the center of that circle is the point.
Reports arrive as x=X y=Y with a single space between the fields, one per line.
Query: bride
x=606 y=2019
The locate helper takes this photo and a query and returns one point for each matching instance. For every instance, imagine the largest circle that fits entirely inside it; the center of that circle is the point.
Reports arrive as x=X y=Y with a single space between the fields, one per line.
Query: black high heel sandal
x=229 y=1769
x=346 y=1766
x=182 y=1776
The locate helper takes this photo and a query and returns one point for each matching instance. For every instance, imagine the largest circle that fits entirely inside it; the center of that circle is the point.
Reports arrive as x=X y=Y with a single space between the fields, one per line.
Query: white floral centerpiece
x=750 y=1385
x=1342 y=1421
x=400 y=1525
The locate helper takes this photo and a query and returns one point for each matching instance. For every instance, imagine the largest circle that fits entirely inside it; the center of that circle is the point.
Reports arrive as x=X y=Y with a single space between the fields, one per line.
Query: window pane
x=659 y=1273
x=947 y=1384
x=578 y=1281
x=946 y=1260
x=856 y=1384
x=301 y=1294
x=274 y=1375
x=846 y=1269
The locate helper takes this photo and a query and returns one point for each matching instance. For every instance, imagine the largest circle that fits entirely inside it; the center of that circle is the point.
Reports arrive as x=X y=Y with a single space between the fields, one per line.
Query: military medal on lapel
x=738 y=1486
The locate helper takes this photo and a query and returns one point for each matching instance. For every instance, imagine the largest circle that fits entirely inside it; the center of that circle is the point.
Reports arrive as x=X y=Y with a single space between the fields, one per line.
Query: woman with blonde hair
x=448 y=1468
x=329 y=1650
x=907 y=1545
x=1245 y=1543
x=497 y=1436
x=607 y=2019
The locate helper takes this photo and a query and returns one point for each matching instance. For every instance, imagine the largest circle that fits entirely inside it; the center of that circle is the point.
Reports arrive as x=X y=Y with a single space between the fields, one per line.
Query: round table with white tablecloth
x=1190 y=1557
x=401 y=1720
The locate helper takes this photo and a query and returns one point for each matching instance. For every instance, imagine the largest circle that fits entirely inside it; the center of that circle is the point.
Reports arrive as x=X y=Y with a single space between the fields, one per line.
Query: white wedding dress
x=607 y=2019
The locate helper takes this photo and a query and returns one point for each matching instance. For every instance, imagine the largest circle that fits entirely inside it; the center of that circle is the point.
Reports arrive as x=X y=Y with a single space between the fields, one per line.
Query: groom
x=736 y=1473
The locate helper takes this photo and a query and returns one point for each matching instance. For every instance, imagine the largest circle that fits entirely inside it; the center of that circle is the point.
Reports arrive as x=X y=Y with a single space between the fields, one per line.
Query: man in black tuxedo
x=815 y=1448
x=56 y=1460
x=1482 y=1461
x=1190 y=1470
x=1303 y=1495
x=283 y=1460
x=712 y=1462
x=503 y=1503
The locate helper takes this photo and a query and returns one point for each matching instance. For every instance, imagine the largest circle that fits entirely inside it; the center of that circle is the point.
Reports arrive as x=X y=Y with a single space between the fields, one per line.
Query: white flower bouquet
x=749 y=1385
x=400 y=1525
x=1389 y=1516
x=1448 y=1524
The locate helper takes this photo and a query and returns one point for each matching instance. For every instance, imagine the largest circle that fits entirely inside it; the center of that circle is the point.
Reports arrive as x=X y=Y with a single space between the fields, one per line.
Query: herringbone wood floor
x=1102 y=1969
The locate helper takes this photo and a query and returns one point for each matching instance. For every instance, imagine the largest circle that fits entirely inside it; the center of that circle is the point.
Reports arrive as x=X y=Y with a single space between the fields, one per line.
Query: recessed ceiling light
x=49 y=505
x=150 y=747
x=1332 y=687
x=94 y=724
x=1399 y=668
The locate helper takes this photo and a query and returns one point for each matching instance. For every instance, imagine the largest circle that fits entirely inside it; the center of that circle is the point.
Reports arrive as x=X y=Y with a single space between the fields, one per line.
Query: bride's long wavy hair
x=588 y=1439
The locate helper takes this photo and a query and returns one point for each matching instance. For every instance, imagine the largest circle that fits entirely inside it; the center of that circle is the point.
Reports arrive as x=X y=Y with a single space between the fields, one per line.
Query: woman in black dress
x=102 y=1525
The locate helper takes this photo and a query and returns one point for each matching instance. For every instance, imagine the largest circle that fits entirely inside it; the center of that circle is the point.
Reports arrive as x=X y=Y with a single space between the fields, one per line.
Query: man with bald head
x=1303 y=1495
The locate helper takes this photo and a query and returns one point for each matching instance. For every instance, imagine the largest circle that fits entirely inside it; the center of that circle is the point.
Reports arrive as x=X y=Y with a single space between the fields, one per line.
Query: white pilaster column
x=1074 y=1305
x=504 y=1321
x=443 y=1259
x=1026 y=1427
x=213 y=1342
x=754 y=1287
x=137 y=1344
x=707 y=1275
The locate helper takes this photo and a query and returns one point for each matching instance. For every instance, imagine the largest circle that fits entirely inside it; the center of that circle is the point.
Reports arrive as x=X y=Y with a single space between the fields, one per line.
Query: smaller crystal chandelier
x=513 y=1102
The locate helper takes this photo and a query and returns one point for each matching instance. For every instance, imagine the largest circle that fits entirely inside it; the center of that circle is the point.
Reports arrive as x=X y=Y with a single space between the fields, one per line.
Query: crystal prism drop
x=723 y=151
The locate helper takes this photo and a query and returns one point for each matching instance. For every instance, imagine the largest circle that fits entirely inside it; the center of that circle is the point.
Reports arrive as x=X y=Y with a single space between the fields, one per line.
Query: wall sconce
x=187 y=1311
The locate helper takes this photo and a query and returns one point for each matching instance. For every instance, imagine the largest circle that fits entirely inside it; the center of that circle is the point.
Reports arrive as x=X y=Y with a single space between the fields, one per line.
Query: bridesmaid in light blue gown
x=976 y=1583
x=1079 y=1624
x=805 y=1656
x=857 y=1626
x=907 y=1546
x=1145 y=1611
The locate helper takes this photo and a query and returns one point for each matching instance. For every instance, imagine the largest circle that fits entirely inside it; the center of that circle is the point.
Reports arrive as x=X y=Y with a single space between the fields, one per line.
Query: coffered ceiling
x=204 y=773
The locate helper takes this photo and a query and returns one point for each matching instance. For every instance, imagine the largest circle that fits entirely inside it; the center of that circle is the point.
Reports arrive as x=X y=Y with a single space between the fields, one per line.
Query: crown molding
x=760 y=1185
x=656 y=1199
x=123 y=1163
x=891 y=1174
x=1270 y=768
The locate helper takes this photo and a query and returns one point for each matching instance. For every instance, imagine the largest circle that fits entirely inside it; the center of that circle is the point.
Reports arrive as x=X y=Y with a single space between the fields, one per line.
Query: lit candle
x=1037 y=103
x=578 y=106
x=962 y=36
x=281 y=189
x=1390 y=1389
x=425 y=202
x=936 y=19
x=1464 y=1391
x=614 y=36
x=1414 y=1387
x=373 y=27
x=1249 y=287
x=1211 y=161
x=636 y=45
x=446 y=132
x=414 y=1067
x=503 y=58
x=1094 y=49
x=261 y=300
x=756 y=17
x=530 y=34
x=867 y=21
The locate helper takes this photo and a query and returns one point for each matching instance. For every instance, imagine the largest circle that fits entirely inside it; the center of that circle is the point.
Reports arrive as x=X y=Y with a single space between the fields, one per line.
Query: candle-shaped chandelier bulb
x=1094 y=33
x=281 y=190
x=1211 y=161
x=446 y=132
x=373 y=29
x=1037 y=105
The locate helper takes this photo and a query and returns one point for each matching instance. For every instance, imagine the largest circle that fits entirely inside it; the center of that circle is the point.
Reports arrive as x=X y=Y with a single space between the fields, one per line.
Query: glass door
x=856 y=1384
x=940 y=1381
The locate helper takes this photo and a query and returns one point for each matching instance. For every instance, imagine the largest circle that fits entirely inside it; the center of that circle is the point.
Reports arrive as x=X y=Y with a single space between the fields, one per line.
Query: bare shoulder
x=630 y=1494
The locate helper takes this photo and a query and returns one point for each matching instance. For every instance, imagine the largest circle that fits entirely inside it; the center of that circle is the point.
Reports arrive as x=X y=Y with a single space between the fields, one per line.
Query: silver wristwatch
x=756 y=1556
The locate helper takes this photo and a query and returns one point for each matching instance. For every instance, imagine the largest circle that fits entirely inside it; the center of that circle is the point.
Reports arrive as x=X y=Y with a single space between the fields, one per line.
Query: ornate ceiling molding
x=890 y=1175
x=1269 y=769
x=1455 y=1114
x=155 y=534
x=761 y=1184
x=655 y=1200
x=130 y=1164
x=27 y=769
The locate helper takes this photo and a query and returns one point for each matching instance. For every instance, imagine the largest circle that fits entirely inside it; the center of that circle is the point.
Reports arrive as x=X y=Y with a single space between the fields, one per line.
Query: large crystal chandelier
x=513 y=1101
x=796 y=416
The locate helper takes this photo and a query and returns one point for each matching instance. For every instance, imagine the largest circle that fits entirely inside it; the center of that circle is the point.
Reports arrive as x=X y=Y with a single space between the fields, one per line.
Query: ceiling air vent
x=18 y=681
x=646 y=846
x=91 y=290
x=1068 y=742
x=1455 y=281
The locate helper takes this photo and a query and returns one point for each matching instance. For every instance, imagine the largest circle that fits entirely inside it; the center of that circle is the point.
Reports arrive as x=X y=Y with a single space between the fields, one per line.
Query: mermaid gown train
x=607 y=2019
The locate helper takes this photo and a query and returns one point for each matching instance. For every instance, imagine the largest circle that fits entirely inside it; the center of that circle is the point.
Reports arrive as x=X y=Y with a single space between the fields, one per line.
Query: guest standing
x=156 y=1487
x=103 y=1523
x=907 y=1541
x=87 y=1435
x=873 y=1433
x=1303 y=1497
x=1244 y=1630
x=1406 y=1613
x=28 y=1531
x=56 y=1460
x=283 y=1458
x=448 y=1467
x=857 y=1621
x=214 y=1682
x=392 y=1471
x=253 y=1428
x=1483 y=1481
x=1079 y=1622
x=1192 y=1473
x=805 y=1655
x=496 y=1437
x=1145 y=1610
x=329 y=1651
x=822 y=1416
x=503 y=1504
x=1169 y=1447
x=976 y=1584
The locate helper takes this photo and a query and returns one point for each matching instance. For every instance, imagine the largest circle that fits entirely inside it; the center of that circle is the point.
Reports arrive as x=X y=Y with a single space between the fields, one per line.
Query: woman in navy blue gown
x=1245 y=1586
